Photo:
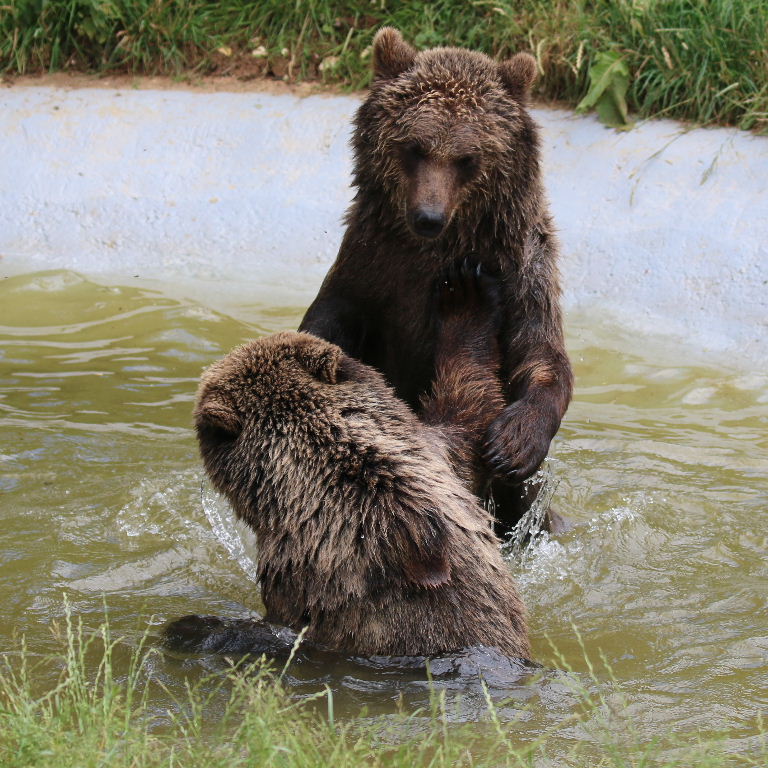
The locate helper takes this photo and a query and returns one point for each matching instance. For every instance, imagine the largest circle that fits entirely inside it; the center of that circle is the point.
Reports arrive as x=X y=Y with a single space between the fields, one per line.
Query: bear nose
x=427 y=222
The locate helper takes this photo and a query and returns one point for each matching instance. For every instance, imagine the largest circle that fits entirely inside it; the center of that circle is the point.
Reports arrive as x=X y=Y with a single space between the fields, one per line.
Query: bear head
x=445 y=132
x=285 y=407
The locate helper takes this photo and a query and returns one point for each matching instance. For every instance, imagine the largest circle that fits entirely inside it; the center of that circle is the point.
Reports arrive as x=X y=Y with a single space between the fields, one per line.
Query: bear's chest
x=401 y=344
x=398 y=309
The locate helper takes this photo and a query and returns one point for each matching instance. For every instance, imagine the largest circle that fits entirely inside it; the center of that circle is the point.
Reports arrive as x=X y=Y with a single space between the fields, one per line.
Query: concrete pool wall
x=664 y=229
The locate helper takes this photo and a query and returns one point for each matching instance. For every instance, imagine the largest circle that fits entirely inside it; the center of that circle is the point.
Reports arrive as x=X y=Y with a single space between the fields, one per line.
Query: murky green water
x=662 y=464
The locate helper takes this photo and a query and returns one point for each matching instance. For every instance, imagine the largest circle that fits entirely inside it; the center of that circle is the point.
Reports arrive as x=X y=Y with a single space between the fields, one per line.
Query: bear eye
x=468 y=165
x=412 y=152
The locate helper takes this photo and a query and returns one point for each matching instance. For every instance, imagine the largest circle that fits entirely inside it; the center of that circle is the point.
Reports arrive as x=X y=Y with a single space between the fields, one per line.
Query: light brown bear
x=368 y=534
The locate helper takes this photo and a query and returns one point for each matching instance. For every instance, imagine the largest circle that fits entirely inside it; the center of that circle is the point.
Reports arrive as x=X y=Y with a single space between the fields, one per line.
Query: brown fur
x=447 y=166
x=467 y=394
x=366 y=533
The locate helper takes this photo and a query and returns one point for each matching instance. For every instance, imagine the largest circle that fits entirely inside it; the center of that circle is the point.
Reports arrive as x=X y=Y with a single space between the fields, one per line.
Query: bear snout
x=427 y=222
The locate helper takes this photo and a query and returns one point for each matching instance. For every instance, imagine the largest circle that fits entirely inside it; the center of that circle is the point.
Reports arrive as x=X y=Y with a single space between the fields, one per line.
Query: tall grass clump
x=700 y=60
x=99 y=713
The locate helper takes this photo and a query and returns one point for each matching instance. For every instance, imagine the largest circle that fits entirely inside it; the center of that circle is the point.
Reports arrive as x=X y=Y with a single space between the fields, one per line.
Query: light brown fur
x=367 y=535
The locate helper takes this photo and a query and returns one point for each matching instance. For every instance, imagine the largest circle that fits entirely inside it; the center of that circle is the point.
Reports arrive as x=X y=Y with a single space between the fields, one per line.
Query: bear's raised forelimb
x=536 y=369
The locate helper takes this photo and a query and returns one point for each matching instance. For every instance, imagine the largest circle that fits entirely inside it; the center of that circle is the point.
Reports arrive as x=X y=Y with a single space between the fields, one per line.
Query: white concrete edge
x=238 y=197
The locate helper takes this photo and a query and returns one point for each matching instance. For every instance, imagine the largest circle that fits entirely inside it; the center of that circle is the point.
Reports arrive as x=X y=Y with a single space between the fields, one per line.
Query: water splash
x=531 y=526
x=235 y=537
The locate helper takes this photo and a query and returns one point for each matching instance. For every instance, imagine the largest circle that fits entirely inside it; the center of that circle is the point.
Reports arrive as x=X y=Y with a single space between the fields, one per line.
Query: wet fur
x=447 y=130
x=367 y=533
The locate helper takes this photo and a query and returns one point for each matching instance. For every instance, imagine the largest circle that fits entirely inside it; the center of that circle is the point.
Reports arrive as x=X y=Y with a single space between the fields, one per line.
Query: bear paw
x=517 y=442
x=467 y=288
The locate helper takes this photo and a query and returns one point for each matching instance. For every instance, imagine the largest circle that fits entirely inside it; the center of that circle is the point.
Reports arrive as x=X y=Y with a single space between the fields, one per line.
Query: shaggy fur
x=447 y=166
x=366 y=533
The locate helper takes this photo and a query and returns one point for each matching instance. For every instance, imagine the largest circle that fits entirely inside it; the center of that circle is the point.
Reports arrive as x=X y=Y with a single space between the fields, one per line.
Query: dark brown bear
x=447 y=166
x=366 y=534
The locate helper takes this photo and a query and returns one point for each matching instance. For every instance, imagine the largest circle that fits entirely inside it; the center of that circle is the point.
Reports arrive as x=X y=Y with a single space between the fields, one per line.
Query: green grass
x=99 y=713
x=699 y=60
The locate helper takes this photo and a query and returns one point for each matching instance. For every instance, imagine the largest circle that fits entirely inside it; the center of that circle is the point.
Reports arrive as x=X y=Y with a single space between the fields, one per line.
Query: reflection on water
x=662 y=464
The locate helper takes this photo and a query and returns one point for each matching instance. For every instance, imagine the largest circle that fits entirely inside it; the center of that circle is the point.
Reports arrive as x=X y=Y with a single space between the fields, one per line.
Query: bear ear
x=391 y=54
x=213 y=412
x=324 y=364
x=518 y=74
